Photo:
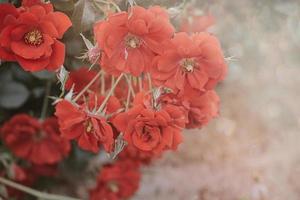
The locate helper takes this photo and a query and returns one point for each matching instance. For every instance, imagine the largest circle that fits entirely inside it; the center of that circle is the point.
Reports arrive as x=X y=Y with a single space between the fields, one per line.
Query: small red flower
x=199 y=109
x=190 y=63
x=117 y=181
x=130 y=39
x=151 y=129
x=80 y=78
x=202 y=109
x=31 y=38
x=89 y=129
x=39 y=143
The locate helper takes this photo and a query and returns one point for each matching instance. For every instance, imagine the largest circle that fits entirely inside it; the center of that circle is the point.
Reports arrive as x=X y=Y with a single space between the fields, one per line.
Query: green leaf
x=13 y=95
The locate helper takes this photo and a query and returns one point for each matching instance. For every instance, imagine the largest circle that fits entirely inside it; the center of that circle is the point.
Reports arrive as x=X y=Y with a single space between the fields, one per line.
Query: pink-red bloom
x=37 y=142
x=130 y=40
x=199 y=109
x=89 y=129
x=151 y=129
x=190 y=63
x=31 y=37
x=117 y=181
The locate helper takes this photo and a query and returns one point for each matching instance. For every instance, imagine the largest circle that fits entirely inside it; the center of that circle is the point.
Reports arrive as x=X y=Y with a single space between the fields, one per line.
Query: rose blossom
x=37 y=142
x=150 y=129
x=189 y=63
x=89 y=129
x=117 y=181
x=129 y=40
x=31 y=38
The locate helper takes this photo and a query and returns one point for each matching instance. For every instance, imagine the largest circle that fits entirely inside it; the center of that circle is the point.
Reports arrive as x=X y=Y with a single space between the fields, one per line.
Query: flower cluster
x=149 y=84
x=29 y=35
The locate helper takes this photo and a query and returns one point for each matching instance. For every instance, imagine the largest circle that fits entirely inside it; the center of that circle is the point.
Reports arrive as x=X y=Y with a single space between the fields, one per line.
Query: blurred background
x=251 y=152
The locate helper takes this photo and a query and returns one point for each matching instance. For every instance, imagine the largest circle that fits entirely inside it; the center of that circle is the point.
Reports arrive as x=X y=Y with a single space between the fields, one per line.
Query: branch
x=34 y=192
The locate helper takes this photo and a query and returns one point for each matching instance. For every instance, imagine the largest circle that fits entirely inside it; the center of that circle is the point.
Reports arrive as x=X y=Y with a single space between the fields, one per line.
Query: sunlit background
x=252 y=151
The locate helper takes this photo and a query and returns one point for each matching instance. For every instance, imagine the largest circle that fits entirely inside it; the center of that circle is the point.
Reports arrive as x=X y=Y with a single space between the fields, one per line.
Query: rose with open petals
x=34 y=141
x=90 y=130
x=151 y=130
x=190 y=63
x=130 y=40
x=31 y=38
x=117 y=181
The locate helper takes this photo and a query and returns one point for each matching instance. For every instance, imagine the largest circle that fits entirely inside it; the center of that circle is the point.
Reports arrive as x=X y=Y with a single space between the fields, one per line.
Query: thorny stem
x=112 y=82
x=46 y=99
x=129 y=82
x=140 y=82
x=88 y=86
x=149 y=81
x=110 y=93
x=33 y=192
x=127 y=100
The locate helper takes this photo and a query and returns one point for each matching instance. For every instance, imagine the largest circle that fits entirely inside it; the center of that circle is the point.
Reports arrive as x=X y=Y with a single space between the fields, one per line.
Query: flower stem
x=88 y=85
x=129 y=82
x=110 y=93
x=103 y=83
x=127 y=100
x=149 y=81
x=46 y=99
x=34 y=192
x=140 y=82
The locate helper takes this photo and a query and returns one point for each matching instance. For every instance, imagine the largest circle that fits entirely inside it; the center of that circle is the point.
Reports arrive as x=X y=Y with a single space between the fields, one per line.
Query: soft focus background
x=251 y=152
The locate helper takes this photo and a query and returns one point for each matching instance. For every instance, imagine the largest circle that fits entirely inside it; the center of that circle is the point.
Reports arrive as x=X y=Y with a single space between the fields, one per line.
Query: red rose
x=130 y=39
x=189 y=63
x=199 y=109
x=31 y=38
x=150 y=129
x=37 y=142
x=89 y=129
x=117 y=181
x=202 y=109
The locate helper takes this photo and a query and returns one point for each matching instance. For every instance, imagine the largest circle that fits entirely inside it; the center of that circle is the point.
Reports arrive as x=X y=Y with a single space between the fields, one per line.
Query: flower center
x=146 y=134
x=113 y=186
x=89 y=126
x=34 y=37
x=40 y=135
x=132 y=42
x=188 y=64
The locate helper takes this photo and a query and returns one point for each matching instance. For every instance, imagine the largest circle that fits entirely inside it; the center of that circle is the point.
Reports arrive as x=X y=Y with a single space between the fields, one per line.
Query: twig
x=110 y=93
x=33 y=192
